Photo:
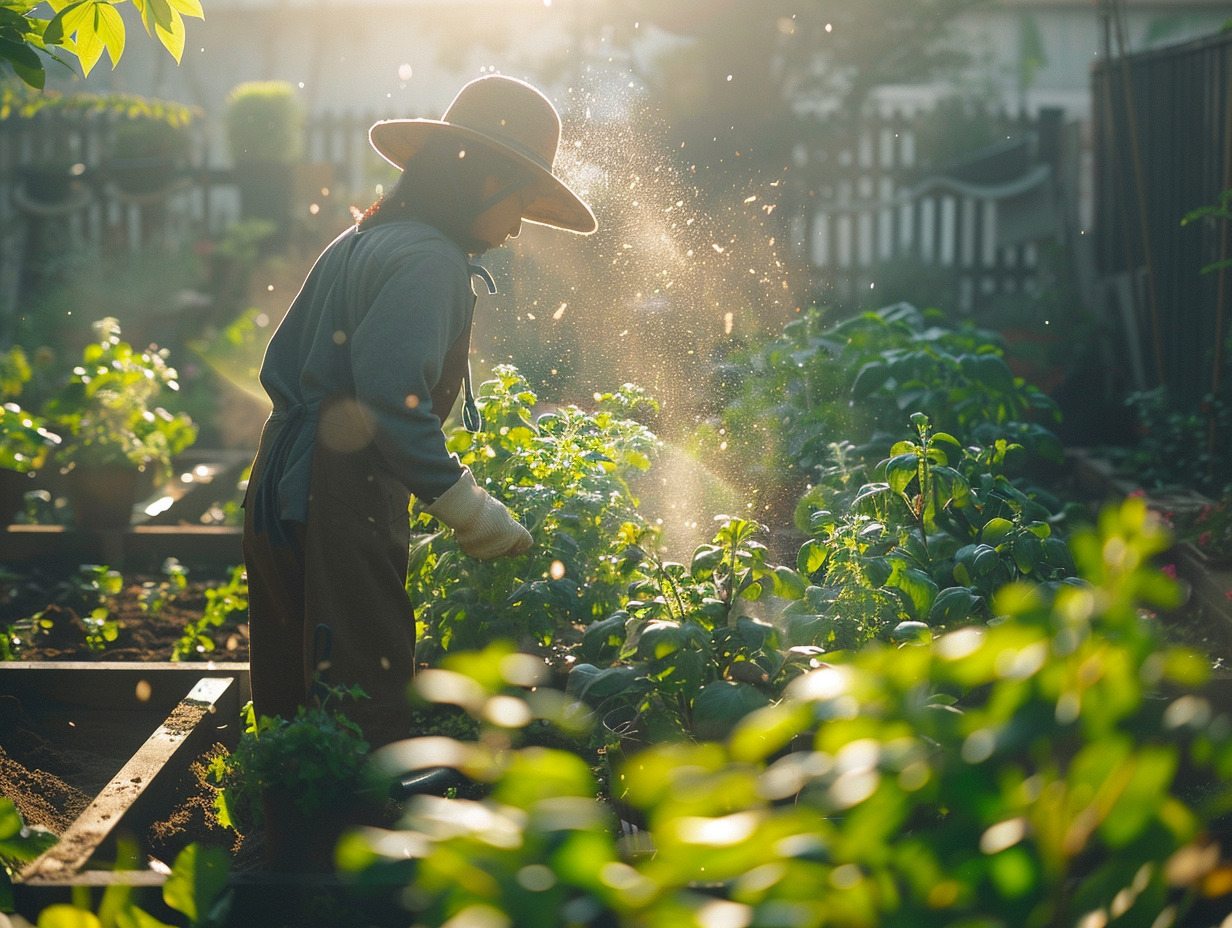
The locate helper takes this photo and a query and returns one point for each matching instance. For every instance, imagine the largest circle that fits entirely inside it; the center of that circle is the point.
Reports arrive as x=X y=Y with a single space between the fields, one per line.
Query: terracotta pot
x=103 y=497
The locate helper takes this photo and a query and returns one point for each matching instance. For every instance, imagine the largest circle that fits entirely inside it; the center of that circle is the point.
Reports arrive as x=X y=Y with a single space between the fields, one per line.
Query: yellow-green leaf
x=110 y=28
x=188 y=8
x=173 y=36
x=89 y=48
x=66 y=916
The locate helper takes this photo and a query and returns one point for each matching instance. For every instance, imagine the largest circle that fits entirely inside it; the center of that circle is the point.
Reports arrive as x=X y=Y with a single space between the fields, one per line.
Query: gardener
x=366 y=365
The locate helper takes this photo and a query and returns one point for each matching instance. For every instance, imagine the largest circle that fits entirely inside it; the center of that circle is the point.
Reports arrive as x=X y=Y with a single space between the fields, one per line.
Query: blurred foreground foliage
x=1060 y=766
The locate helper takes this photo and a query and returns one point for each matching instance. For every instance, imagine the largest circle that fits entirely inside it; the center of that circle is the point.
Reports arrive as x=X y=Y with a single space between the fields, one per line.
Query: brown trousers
x=349 y=574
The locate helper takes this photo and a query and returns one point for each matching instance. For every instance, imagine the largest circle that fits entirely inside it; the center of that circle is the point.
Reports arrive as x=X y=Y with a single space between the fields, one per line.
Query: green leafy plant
x=315 y=758
x=24 y=438
x=19 y=845
x=1175 y=447
x=25 y=442
x=81 y=612
x=683 y=659
x=156 y=595
x=565 y=474
x=220 y=602
x=108 y=410
x=923 y=545
x=196 y=886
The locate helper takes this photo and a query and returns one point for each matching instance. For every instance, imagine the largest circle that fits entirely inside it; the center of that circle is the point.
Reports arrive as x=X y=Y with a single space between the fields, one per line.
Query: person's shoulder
x=412 y=238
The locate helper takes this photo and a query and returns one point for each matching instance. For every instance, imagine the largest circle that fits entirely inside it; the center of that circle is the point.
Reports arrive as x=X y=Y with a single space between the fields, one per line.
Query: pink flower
x=1139 y=492
x=1170 y=570
x=1227 y=594
x=1204 y=539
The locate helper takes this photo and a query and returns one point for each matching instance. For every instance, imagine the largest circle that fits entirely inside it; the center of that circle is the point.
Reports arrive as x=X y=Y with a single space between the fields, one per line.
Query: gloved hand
x=483 y=526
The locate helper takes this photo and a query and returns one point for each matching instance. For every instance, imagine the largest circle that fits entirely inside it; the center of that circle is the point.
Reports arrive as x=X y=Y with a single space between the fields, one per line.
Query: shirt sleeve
x=419 y=308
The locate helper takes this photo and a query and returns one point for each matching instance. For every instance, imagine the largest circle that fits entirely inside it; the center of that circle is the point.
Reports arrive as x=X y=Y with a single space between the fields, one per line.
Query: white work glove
x=483 y=526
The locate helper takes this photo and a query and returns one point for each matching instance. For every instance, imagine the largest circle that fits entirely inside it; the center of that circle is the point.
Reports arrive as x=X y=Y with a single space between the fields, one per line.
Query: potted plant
x=115 y=434
x=264 y=123
x=300 y=780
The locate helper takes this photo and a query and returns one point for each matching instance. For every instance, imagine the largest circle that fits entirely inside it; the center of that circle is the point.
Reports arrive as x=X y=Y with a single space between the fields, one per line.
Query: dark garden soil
x=51 y=619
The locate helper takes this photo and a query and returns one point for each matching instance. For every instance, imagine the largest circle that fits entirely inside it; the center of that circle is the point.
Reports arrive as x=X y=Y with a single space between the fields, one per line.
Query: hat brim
x=397 y=141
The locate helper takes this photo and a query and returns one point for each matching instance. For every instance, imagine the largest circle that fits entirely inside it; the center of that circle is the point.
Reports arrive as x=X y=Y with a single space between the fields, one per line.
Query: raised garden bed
x=94 y=751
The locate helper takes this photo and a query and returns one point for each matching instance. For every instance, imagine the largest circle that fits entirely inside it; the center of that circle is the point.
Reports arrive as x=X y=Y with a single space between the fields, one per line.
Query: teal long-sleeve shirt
x=375 y=320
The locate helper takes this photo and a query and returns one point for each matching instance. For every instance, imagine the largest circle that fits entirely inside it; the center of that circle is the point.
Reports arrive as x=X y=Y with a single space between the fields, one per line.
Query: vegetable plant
x=315 y=759
x=566 y=475
x=221 y=601
x=854 y=382
x=924 y=544
x=683 y=658
x=196 y=886
x=25 y=440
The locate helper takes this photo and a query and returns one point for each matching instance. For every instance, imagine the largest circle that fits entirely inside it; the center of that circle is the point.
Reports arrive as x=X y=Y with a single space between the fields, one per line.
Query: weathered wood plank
x=133 y=546
x=123 y=685
x=95 y=826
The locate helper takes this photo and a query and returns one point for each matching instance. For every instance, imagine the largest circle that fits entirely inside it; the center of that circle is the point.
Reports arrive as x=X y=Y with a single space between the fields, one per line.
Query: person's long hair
x=442 y=185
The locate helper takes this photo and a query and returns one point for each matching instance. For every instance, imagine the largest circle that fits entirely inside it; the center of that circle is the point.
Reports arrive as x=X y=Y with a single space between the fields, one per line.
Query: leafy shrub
x=221 y=600
x=858 y=380
x=264 y=122
x=925 y=543
x=565 y=474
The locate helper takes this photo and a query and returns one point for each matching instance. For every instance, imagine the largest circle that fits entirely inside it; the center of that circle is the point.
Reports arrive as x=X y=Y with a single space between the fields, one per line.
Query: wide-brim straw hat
x=513 y=119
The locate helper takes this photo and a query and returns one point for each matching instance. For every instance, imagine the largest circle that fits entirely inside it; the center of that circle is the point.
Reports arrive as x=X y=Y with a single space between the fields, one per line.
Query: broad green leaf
x=788 y=584
x=877 y=571
x=954 y=606
x=61 y=26
x=25 y=61
x=198 y=875
x=916 y=584
x=911 y=632
x=109 y=26
x=659 y=639
x=592 y=684
x=172 y=36
x=193 y=8
x=870 y=378
x=603 y=639
x=995 y=531
x=901 y=470
x=719 y=705
x=10 y=819
x=133 y=917
x=706 y=558
x=812 y=557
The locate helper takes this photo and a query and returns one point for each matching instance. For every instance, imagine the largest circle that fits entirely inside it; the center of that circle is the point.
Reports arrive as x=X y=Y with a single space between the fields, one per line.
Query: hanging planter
x=51 y=190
